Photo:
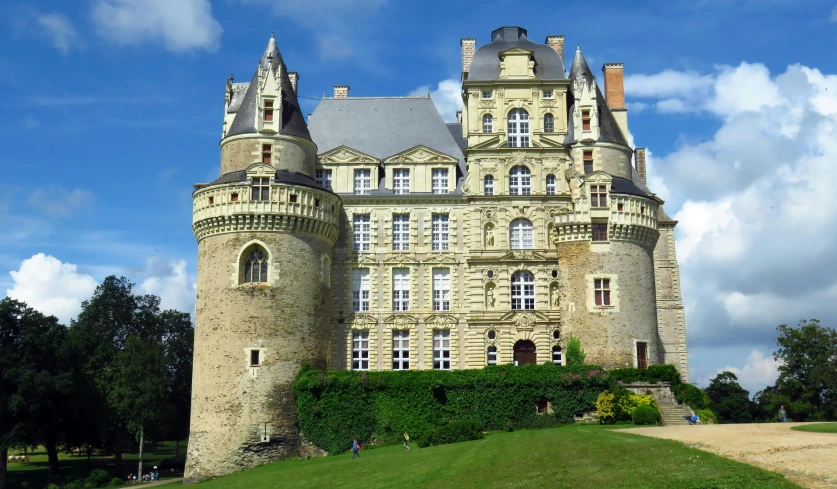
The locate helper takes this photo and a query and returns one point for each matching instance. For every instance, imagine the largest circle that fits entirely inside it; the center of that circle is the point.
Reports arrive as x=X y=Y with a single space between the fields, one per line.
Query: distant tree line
x=806 y=386
x=121 y=371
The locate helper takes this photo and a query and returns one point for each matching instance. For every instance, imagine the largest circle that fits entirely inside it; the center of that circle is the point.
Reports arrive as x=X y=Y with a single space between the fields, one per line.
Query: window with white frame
x=401 y=181
x=518 y=129
x=548 y=123
x=488 y=185
x=255 y=266
x=486 y=94
x=360 y=290
x=260 y=189
x=487 y=124
x=547 y=94
x=492 y=355
x=441 y=234
x=400 y=232
x=520 y=181
x=440 y=180
x=550 y=184
x=523 y=291
x=400 y=289
x=361 y=227
x=601 y=287
x=441 y=289
x=360 y=350
x=441 y=349
x=401 y=349
x=522 y=234
x=557 y=355
x=363 y=182
x=323 y=178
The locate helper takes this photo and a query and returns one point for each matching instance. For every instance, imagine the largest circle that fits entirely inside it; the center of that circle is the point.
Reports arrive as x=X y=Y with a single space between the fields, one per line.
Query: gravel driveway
x=809 y=459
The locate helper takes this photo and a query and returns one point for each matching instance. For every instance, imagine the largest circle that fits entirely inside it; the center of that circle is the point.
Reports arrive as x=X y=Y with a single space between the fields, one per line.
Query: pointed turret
x=580 y=70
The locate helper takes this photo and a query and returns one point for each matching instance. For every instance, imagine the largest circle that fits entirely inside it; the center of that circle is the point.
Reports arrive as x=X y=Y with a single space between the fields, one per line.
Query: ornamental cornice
x=265 y=223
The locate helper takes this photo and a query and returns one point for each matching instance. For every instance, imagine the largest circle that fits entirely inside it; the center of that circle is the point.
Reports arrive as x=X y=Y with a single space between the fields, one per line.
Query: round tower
x=265 y=232
x=605 y=260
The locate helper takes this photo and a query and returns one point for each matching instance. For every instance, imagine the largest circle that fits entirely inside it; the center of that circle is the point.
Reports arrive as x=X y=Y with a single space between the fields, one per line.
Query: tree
x=10 y=430
x=178 y=344
x=575 y=354
x=728 y=400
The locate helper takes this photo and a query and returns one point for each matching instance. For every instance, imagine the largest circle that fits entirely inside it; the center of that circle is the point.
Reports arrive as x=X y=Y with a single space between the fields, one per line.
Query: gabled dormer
x=584 y=112
x=517 y=63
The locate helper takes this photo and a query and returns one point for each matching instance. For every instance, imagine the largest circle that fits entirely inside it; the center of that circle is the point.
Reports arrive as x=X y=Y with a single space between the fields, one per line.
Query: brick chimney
x=459 y=116
x=639 y=156
x=468 y=45
x=341 y=91
x=614 y=85
x=294 y=76
x=556 y=42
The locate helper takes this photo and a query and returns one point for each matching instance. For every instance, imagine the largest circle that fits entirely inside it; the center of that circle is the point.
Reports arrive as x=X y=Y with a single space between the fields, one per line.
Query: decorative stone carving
x=489 y=236
x=554 y=296
x=489 y=296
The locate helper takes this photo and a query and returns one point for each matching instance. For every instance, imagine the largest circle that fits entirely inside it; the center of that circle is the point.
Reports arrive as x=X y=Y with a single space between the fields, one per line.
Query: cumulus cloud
x=171 y=283
x=59 y=29
x=52 y=287
x=757 y=372
x=60 y=202
x=446 y=96
x=182 y=25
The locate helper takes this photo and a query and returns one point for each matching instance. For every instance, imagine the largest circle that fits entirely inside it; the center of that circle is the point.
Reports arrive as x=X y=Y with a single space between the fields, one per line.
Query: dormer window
x=547 y=94
x=598 y=196
x=585 y=120
x=261 y=189
x=267 y=150
x=268 y=110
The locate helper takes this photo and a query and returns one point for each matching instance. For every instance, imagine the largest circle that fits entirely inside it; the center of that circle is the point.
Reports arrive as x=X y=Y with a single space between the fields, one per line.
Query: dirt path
x=809 y=459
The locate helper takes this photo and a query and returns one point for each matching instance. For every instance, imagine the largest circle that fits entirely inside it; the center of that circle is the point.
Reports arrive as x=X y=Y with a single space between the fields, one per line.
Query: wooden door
x=524 y=353
x=641 y=354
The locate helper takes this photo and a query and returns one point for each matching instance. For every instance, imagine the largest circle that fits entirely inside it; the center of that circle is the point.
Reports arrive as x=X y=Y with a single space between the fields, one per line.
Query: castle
x=375 y=236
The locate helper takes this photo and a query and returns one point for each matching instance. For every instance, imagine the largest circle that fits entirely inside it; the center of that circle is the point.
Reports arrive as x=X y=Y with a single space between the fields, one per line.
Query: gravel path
x=808 y=459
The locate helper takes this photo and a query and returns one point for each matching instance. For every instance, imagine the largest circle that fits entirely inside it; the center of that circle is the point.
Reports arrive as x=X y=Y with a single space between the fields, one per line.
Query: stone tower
x=265 y=231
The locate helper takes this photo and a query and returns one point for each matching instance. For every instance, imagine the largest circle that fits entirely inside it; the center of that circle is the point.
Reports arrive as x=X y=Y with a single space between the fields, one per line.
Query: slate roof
x=281 y=176
x=455 y=129
x=609 y=131
x=621 y=185
x=293 y=123
x=485 y=65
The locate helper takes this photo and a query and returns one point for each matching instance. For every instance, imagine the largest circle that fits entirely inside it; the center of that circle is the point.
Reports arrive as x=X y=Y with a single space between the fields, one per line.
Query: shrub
x=97 y=478
x=654 y=374
x=630 y=403
x=115 y=482
x=691 y=395
x=645 y=415
x=706 y=416
x=606 y=407
x=575 y=354
x=453 y=432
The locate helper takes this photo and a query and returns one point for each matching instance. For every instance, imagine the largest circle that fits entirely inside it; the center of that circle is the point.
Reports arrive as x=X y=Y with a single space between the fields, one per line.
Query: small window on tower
x=620 y=207
x=254 y=358
x=598 y=196
x=293 y=197
x=211 y=200
x=268 y=110
x=266 y=153
x=261 y=189
x=316 y=202
x=588 y=162
x=599 y=231
x=585 y=120
x=234 y=197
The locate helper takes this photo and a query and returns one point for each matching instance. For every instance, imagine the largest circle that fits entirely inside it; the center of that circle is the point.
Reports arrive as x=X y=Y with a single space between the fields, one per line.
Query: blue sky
x=113 y=109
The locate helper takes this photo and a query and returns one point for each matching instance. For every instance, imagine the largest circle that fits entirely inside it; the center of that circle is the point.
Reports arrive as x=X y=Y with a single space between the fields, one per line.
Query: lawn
x=33 y=475
x=567 y=457
x=817 y=427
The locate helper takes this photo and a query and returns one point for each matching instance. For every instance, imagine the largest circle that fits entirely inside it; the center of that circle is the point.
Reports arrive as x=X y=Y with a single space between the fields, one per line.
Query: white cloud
x=667 y=84
x=181 y=25
x=447 y=97
x=59 y=29
x=637 y=107
x=758 y=372
x=59 y=202
x=52 y=287
x=171 y=283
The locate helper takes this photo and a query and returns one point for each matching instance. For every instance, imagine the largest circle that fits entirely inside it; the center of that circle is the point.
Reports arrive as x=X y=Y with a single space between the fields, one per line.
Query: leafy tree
x=575 y=354
x=728 y=400
x=11 y=314
x=178 y=343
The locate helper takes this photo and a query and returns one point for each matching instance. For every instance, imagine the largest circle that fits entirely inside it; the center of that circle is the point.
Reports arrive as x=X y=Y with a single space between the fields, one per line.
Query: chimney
x=639 y=155
x=459 y=116
x=294 y=76
x=469 y=45
x=556 y=42
x=341 y=91
x=614 y=85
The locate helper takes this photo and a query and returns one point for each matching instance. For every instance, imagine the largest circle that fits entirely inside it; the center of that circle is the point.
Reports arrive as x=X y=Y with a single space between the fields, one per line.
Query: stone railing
x=629 y=218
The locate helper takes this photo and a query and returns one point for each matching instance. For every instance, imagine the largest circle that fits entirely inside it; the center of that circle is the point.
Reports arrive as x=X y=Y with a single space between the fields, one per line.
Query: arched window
x=520 y=181
x=550 y=184
x=487 y=124
x=548 y=123
x=557 y=355
x=518 y=129
x=488 y=185
x=492 y=355
x=523 y=291
x=521 y=234
x=255 y=266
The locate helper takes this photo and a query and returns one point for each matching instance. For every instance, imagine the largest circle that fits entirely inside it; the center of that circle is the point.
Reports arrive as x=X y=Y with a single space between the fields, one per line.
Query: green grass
x=34 y=474
x=568 y=457
x=817 y=427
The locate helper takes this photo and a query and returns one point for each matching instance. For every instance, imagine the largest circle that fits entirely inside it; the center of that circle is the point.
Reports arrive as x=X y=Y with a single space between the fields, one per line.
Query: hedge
x=335 y=406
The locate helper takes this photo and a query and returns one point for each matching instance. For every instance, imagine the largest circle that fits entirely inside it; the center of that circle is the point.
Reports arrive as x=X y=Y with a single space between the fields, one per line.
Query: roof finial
x=271 y=34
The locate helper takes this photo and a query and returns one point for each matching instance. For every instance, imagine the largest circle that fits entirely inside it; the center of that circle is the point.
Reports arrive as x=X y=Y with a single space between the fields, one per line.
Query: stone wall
x=288 y=153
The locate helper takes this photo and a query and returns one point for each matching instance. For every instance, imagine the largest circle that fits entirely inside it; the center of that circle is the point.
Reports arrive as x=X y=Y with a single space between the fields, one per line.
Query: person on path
x=406 y=440
x=783 y=415
x=694 y=419
x=355 y=448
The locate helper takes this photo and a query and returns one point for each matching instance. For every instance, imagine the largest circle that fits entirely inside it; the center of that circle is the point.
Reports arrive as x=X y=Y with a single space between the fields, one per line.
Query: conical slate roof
x=609 y=131
x=579 y=69
x=293 y=123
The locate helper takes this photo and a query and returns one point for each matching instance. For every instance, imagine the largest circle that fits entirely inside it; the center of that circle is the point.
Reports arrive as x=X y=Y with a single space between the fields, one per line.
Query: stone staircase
x=675 y=414
x=671 y=411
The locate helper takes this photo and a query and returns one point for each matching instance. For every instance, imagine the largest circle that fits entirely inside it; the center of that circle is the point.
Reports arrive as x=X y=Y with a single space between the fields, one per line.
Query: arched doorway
x=524 y=352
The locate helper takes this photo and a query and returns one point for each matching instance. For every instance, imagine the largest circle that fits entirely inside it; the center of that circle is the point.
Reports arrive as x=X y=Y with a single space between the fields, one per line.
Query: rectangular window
x=441 y=234
x=254 y=358
x=488 y=185
x=547 y=94
x=487 y=124
x=323 y=178
x=492 y=355
x=361 y=227
x=401 y=350
x=260 y=189
x=401 y=181
x=266 y=152
x=486 y=94
x=441 y=289
x=588 y=162
x=360 y=289
x=599 y=232
x=401 y=289
x=550 y=184
x=641 y=354
x=360 y=350
x=440 y=181
x=585 y=120
x=441 y=349
x=548 y=123
x=598 y=195
x=363 y=182
x=400 y=232
x=602 y=289
x=268 y=110
x=233 y=197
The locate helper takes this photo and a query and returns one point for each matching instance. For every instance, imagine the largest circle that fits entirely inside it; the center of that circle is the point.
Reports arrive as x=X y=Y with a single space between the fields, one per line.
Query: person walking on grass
x=355 y=448
x=783 y=415
x=406 y=440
